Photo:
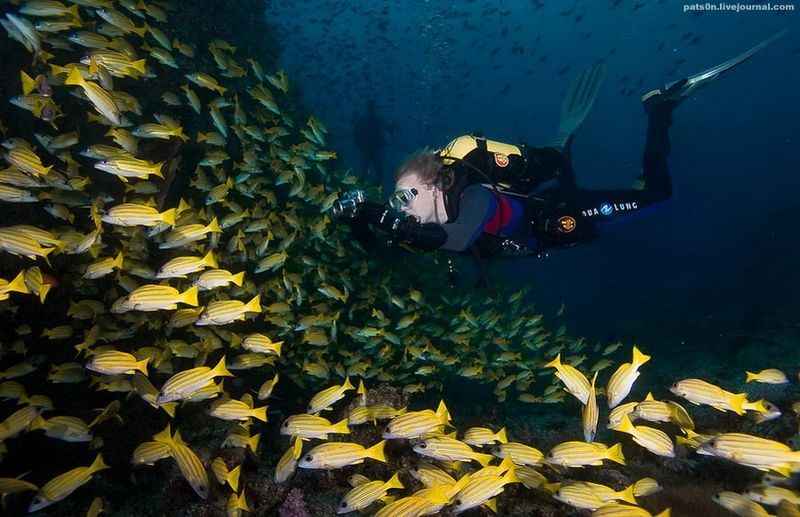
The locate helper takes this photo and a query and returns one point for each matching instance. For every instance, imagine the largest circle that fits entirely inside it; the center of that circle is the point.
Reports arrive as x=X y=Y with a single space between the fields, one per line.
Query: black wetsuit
x=500 y=223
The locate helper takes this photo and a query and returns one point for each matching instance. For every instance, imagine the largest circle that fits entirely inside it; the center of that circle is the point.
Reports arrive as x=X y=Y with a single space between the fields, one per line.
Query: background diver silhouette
x=368 y=139
x=459 y=182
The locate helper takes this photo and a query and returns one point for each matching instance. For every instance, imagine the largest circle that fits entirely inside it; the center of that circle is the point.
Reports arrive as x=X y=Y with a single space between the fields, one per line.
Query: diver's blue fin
x=682 y=88
x=577 y=103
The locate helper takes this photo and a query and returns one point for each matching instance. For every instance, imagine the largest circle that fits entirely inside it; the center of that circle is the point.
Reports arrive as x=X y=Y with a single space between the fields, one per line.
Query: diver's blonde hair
x=425 y=163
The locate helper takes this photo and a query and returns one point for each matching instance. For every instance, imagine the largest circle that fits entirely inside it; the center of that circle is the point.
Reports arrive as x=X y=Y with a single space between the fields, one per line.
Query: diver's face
x=422 y=206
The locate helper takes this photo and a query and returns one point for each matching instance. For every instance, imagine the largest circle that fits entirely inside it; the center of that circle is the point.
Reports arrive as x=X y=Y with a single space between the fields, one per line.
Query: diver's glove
x=406 y=230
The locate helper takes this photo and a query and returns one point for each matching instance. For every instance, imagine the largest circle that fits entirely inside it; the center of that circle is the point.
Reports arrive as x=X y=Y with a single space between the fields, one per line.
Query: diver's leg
x=657 y=184
x=549 y=163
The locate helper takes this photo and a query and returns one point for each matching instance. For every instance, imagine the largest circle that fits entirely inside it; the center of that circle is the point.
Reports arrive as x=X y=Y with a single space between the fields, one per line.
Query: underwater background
x=706 y=288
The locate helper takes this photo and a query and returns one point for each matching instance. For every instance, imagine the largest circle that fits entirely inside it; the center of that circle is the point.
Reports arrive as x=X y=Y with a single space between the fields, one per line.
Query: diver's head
x=418 y=188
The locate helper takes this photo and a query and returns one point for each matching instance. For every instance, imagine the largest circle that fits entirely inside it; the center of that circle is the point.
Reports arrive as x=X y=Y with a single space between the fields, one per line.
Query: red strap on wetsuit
x=501 y=216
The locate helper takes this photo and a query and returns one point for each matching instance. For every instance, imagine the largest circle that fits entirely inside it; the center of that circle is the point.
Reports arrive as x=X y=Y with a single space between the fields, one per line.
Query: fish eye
x=388 y=430
x=458 y=502
x=286 y=424
x=423 y=445
x=550 y=454
x=344 y=504
x=309 y=457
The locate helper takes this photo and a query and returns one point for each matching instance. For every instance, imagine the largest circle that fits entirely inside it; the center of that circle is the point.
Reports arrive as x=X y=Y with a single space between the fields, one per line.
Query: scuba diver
x=368 y=139
x=498 y=199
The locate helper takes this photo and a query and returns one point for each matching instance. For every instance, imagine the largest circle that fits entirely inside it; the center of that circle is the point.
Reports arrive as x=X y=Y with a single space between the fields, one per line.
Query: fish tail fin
x=614 y=453
x=139 y=66
x=189 y=297
x=37 y=423
x=28 y=83
x=737 y=401
x=254 y=305
x=750 y=377
x=180 y=134
x=73 y=11
x=483 y=459
x=638 y=357
x=628 y=494
x=141 y=31
x=346 y=384
x=511 y=476
x=142 y=365
x=221 y=370
x=98 y=464
x=168 y=216
x=221 y=90
x=625 y=425
x=260 y=413
x=376 y=452
x=501 y=436
x=74 y=78
x=341 y=427
x=238 y=279
x=118 y=260
x=169 y=408
x=394 y=482
x=209 y=260
x=164 y=436
x=233 y=478
x=665 y=513
x=43 y=291
x=252 y=443
x=213 y=226
x=18 y=284
x=555 y=363
x=442 y=412
x=201 y=138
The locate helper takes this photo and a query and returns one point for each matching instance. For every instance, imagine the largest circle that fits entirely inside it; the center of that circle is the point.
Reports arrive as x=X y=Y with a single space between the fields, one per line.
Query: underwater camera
x=347 y=203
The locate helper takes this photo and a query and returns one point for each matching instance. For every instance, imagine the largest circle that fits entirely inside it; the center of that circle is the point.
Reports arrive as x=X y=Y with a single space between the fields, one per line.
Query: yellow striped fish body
x=64 y=484
x=21 y=244
x=184 y=235
x=134 y=214
x=771 y=495
x=533 y=480
x=24 y=159
x=120 y=21
x=232 y=409
x=739 y=504
x=287 y=463
x=148 y=298
x=625 y=510
x=431 y=475
x=578 y=497
x=367 y=493
x=645 y=487
x=329 y=396
x=16 y=485
x=574 y=381
x=114 y=362
x=590 y=414
x=621 y=381
x=606 y=494
x=700 y=392
x=752 y=451
x=580 y=454
x=191 y=467
x=652 y=410
x=261 y=344
x=226 y=311
x=520 y=454
x=66 y=428
x=417 y=423
x=17 y=285
x=103 y=267
x=18 y=421
x=214 y=278
x=265 y=390
x=768 y=376
x=654 y=440
x=102 y=101
x=148 y=453
x=384 y=412
x=160 y=131
x=125 y=167
x=482 y=436
x=336 y=455
x=223 y=475
x=180 y=267
x=424 y=502
x=206 y=81
x=450 y=449
x=183 y=384
x=615 y=417
x=482 y=489
x=237 y=504
x=16 y=195
x=311 y=426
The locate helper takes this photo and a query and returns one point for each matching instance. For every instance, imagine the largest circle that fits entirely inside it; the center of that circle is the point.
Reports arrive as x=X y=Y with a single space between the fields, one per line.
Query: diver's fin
x=577 y=103
x=682 y=88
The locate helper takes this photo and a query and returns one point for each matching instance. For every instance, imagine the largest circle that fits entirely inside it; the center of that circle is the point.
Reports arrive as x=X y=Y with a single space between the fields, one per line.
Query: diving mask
x=402 y=197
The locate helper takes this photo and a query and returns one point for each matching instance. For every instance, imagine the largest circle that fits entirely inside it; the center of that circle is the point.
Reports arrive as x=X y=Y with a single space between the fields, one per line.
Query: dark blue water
x=714 y=269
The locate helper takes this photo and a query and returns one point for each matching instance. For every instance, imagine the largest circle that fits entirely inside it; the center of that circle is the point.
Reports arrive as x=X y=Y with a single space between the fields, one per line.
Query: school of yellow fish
x=164 y=300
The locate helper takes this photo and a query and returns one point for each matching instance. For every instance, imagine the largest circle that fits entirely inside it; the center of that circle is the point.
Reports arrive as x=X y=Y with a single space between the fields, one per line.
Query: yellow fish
x=64 y=484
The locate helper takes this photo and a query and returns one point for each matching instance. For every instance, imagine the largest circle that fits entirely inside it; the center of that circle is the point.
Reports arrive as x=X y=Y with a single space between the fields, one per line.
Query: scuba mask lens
x=402 y=197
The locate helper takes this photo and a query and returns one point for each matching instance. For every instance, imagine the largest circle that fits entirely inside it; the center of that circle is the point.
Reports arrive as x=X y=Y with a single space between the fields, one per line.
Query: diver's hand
x=374 y=213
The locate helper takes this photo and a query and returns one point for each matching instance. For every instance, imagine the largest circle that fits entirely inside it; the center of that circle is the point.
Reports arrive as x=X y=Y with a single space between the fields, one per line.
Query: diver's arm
x=475 y=209
x=425 y=237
